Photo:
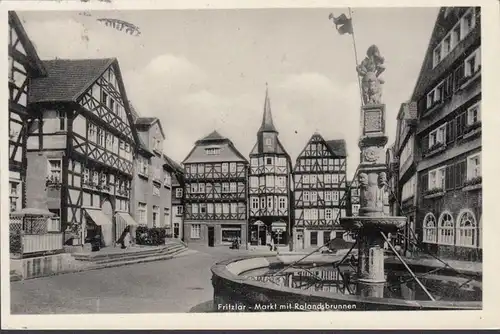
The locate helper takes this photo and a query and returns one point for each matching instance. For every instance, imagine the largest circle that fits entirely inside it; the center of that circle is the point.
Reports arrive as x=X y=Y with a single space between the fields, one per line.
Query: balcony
x=473 y=184
x=29 y=233
x=53 y=181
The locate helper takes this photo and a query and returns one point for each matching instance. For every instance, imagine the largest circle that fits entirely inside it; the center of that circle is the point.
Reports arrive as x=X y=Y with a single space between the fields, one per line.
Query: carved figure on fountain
x=369 y=70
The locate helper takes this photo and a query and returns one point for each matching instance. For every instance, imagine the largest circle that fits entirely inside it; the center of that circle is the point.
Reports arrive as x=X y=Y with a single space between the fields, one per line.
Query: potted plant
x=474 y=181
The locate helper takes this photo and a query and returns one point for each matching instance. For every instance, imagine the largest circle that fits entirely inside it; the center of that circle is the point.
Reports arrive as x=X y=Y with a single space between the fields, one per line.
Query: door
x=211 y=236
x=107 y=230
x=300 y=239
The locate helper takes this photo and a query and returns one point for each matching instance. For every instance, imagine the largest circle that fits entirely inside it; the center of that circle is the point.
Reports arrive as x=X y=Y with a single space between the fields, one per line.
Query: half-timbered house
x=319 y=186
x=23 y=65
x=269 y=188
x=177 y=220
x=215 y=192
x=152 y=183
x=81 y=145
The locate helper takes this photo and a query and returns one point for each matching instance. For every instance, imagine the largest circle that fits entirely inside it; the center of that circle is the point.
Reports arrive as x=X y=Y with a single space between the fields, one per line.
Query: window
x=180 y=210
x=270 y=202
x=472 y=63
x=232 y=187
x=255 y=203
x=282 y=162
x=178 y=193
x=234 y=208
x=314 y=196
x=201 y=169
x=225 y=187
x=55 y=169
x=156 y=216
x=156 y=190
x=314 y=238
x=166 y=217
x=142 y=213
x=92 y=135
x=225 y=208
x=201 y=188
x=467 y=230
x=225 y=167
x=328 y=178
x=54 y=223
x=210 y=208
x=62 y=120
x=212 y=151
x=437 y=136
x=314 y=214
x=474 y=114
x=355 y=209
x=474 y=166
x=268 y=142
x=306 y=196
x=282 y=204
x=446 y=229
x=13 y=195
x=328 y=214
x=430 y=229
x=195 y=231
x=408 y=188
x=335 y=196
x=306 y=179
x=326 y=237
x=167 y=181
x=100 y=136
x=466 y=23
x=104 y=98
x=437 y=178
x=313 y=179
x=194 y=208
x=254 y=162
x=203 y=208
x=194 y=188
x=232 y=167
x=262 y=203
x=335 y=179
x=269 y=161
x=328 y=196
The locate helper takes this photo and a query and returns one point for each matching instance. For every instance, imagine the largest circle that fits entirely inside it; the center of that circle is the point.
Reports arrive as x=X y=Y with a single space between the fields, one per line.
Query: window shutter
x=449 y=85
x=425 y=144
x=459 y=125
x=424 y=181
x=449 y=133
x=463 y=173
x=450 y=177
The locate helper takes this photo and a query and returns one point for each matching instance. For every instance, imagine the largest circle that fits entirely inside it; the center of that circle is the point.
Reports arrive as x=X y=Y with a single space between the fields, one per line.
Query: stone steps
x=141 y=255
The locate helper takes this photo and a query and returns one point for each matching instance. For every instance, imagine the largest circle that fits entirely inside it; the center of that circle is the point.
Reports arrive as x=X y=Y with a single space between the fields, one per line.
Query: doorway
x=211 y=236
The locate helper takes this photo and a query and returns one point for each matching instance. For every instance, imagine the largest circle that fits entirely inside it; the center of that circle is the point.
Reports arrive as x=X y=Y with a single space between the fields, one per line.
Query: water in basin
x=399 y=284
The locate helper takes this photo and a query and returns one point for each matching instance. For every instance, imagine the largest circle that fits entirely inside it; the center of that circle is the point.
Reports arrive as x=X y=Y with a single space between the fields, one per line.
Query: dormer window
x=212 y=150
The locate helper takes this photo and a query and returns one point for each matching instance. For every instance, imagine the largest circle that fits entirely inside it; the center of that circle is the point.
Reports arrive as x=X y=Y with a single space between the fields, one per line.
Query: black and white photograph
x=243 y=160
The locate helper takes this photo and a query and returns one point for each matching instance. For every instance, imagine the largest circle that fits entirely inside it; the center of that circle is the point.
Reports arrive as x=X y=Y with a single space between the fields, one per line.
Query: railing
x=34 y=243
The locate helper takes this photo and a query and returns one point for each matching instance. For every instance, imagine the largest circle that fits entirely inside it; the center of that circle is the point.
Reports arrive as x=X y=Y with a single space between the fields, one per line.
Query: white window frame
x=282 y=203
x=467 y=230
x=225 y=167
x=306 y=196
x=468 y=71
x=194 y=208
x=328 y=214
x=429 y=229
x=438 y=135
x=55 y=173
x=434 y=182
x=474 y=171
x=180 y=210
x=254 y=162
x=195 y=232
x=255 y=203
x=328 y=196
x=474 y=109
x=446 y=229
x=178 y=192
x=156 y=190
x=142 y=211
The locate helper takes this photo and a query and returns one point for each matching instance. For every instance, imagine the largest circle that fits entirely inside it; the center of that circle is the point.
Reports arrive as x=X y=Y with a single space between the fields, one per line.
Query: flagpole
x=355 y=54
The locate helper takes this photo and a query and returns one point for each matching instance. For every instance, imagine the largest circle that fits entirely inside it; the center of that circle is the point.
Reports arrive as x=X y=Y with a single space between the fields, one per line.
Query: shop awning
x=127 y=218
x=278 y=226
x=98 y=217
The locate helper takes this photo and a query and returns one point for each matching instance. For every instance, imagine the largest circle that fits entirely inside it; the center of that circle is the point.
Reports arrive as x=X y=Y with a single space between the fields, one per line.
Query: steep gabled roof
x=172 y=164
x=267 y=117
x=145 y=123
x=213 y=136
x=32 y=56
x=67 y=79
x=228 y=151
x=338 y=147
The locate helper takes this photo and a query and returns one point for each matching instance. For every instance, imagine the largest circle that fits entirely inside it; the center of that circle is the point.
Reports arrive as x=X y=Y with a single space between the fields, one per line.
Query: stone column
x=372 y=179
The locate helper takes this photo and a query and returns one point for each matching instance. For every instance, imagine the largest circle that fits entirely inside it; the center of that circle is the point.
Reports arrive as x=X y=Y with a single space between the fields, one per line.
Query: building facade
x=448 y=133
x=320 y=187
x=269 y=185
x=152 y=183
x=80 y=147
x=24 y=65
x=215 y=202
x=177 y=198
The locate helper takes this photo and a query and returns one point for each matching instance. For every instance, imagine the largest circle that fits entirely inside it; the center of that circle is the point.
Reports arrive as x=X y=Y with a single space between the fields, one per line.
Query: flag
x=343 y=24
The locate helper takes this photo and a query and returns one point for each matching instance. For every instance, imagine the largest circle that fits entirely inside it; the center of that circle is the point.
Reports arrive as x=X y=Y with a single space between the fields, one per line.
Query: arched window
x=430 y=229
x=446 y=229
x=467 y=231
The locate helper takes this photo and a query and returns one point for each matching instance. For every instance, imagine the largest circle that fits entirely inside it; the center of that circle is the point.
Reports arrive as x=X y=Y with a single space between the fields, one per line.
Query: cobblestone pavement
x=181 y=284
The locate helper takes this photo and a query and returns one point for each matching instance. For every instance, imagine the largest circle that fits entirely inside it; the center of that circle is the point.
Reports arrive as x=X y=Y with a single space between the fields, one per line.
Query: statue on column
x=369 y=70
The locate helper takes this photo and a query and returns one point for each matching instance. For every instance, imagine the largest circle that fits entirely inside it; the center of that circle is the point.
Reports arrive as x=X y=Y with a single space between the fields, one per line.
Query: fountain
x=370 y=281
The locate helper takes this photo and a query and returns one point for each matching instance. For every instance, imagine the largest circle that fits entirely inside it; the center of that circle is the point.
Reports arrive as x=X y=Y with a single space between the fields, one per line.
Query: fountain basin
x=370 y=223
x=237 y=289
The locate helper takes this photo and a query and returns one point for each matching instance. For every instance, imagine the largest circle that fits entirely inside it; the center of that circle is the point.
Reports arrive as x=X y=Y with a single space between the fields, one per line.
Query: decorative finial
x=369 y=70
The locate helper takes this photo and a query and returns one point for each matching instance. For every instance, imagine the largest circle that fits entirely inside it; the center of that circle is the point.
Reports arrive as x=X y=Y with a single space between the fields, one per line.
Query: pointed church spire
x=267 y=118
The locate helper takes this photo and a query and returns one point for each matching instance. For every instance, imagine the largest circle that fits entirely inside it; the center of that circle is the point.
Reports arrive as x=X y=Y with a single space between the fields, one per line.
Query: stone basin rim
x=220 y=270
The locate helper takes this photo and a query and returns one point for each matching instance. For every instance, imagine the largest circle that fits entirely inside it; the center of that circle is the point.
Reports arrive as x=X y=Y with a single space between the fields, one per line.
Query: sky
x=205 y=70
